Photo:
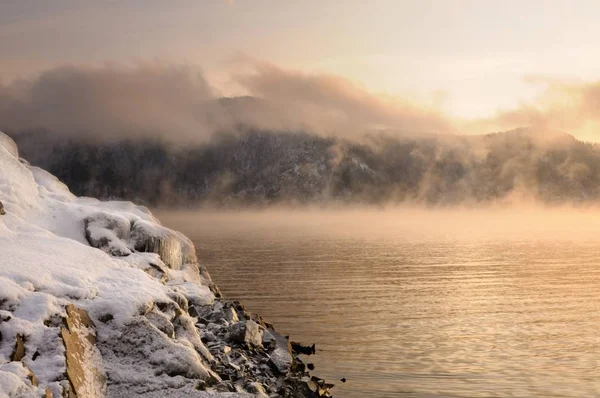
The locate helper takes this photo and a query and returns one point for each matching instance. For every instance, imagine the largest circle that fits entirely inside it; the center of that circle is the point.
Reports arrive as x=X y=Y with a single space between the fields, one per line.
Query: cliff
x=98 y=299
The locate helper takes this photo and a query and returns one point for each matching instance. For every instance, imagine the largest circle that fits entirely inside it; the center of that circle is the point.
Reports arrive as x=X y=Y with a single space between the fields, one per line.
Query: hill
x=263 y=167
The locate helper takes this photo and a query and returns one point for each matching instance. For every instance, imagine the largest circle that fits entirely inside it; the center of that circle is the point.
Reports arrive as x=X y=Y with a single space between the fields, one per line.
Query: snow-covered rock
x=49 y=261
x=98 y=299
x=174 y=248
x=8 y=144
x=108 y=232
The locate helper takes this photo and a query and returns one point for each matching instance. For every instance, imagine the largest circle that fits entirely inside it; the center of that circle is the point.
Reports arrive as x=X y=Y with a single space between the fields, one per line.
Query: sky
x=469 y=58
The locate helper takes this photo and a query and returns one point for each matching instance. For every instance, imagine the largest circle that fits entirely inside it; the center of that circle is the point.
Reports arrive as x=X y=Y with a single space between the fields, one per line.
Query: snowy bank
x=98 y=299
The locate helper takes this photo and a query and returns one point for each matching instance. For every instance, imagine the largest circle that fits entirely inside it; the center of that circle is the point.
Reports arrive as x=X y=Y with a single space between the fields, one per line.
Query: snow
x=46 y=262
x=11 y=376
x=7 y=143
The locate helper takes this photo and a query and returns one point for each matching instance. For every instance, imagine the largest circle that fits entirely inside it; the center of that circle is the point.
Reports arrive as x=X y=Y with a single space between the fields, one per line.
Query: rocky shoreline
x=98 y=299
x=245 y=353
x=252 y=356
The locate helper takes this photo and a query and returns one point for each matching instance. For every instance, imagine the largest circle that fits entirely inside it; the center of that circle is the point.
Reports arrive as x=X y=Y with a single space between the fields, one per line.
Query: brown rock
x=85 y=376
x=68 y=392
x=32 y=378
x=19 y=351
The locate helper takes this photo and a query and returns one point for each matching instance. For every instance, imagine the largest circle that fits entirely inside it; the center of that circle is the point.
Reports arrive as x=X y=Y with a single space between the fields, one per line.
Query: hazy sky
x=472 y=57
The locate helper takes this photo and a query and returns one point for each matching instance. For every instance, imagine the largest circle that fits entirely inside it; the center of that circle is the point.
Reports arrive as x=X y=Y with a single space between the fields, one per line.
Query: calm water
x=405 y=305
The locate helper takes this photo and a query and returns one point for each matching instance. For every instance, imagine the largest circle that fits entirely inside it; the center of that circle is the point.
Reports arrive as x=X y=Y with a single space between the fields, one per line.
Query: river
x=420 y=303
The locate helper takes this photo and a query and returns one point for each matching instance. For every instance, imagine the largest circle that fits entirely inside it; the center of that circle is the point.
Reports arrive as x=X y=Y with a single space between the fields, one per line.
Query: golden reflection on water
x=421 y=304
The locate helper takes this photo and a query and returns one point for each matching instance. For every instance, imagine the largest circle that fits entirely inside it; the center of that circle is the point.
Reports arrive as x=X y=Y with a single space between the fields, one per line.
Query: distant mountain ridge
x=264 y=167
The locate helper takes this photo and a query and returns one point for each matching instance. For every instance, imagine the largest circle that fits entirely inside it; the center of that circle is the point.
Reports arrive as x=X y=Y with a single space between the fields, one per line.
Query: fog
x=562 y=105
x=260 y=168
x=113 y=131
x=176 y=103
x=515 y=223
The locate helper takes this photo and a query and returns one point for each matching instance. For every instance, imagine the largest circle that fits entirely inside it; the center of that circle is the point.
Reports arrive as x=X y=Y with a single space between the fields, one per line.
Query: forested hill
x=261 y=167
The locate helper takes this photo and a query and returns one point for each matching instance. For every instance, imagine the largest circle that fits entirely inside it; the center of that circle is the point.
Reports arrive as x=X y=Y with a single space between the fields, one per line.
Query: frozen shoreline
x=99 y=299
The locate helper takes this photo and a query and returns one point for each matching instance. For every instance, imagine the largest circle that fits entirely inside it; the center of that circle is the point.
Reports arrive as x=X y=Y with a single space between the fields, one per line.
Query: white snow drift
x=46 y=262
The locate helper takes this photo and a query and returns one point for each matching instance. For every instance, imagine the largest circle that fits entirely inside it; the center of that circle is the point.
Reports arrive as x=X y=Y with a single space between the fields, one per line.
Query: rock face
x=120 y=236
x=84 y=368
x=173 y=247
x=138 y=317
x=19 y=351
x=108 y=232
x=246 y=332
x=243 y=363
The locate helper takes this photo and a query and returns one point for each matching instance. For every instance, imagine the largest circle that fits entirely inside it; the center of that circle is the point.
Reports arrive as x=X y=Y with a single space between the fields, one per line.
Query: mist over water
x=262 y=168
x=420 y=303
x=413 y=186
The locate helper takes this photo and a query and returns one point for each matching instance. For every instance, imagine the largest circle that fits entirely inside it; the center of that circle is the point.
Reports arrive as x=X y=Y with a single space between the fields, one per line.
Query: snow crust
x=46 y=263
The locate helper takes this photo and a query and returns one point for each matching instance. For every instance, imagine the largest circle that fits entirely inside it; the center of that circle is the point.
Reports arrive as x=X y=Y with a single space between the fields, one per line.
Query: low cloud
x=111 y=102
x=176 y=102
x=572 y=107
x=330 y=104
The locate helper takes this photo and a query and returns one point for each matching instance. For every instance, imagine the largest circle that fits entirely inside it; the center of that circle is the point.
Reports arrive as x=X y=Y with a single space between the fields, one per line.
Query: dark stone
x=239 y=306
x=281 y=341
x=201 y=385
x=2 y=211
x=108 y=226
x=105 y=318
x=281 y=360
x=303 y=349
x=310 y=366
x=317 y=380
x=308 y=389
x=54 y=321
x=297 y=366
x=214 y=313
x=343 y=379
x=211 y=380
x=246 y=332
x=193 y=311
x=268 y=340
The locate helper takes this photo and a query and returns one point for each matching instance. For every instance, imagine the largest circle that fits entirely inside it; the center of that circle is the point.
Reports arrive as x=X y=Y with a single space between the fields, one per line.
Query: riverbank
x=99 y=299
